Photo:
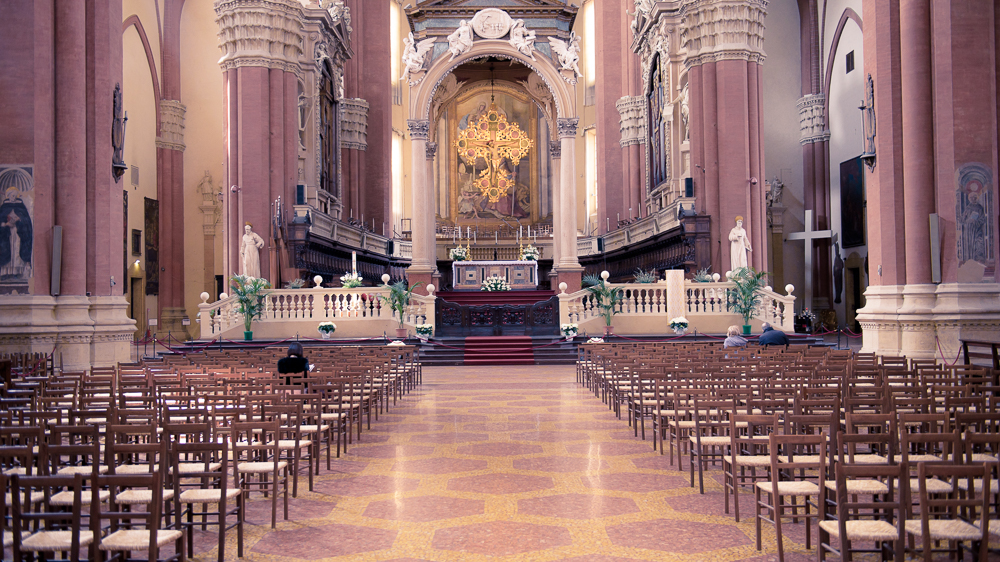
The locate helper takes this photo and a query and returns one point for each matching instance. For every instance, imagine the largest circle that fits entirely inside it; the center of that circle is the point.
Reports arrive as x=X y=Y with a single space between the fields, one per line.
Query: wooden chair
x=941 y=514
x=710 y=439
x=256 y=457
x=200 y=477
x=749 y=440
x=36 y=529
x=132 y=529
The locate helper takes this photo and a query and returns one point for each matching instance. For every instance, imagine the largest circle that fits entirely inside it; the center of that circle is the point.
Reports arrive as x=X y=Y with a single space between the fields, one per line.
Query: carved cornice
x=418 y=128
x=171 y=125
x=354 y=124
x=812 y=128
x=716 y=30
x=266 y=33
x=567 y=126
x=633 y=120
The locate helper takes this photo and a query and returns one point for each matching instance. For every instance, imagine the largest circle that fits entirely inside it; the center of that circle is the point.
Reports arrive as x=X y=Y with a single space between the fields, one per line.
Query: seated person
x=770 y=336
x=295 y=362
x=733 y=338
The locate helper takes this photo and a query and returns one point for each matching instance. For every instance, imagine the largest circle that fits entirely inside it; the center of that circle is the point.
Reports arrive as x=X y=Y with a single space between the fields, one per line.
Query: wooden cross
x=809 y=236
x=492 y=138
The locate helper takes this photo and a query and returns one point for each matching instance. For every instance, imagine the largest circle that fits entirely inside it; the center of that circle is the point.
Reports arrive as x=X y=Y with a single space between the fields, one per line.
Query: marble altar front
x=469 y=275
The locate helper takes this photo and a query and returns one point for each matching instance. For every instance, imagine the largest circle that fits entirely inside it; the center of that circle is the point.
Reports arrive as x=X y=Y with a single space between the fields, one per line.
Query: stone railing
x=359 y=312
x=647 y=308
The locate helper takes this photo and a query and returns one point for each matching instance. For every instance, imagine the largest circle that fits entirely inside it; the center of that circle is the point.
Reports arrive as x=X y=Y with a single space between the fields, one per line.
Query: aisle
x=512 y=463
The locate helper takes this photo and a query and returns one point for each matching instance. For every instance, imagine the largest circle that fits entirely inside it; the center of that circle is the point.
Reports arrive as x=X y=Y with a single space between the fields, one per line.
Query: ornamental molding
x=716 y=30
x=260 y=30
x=555 y=149
x=171 y=125
x=491 y=23
x=294 y=68
x=418 y=129
x=354 y=124
x=812 y=127
x=633 y=120
x=567 y=126
x=431 y=150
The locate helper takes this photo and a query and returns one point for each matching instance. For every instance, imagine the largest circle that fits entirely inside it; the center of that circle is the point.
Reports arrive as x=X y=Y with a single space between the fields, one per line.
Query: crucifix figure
x=493 y=139
x=809 y=236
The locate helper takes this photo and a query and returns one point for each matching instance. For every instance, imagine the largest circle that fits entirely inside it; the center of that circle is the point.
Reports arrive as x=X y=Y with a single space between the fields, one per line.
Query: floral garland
x=350 y=280
x=495 y=283
x=530 y=253
x=458 y=254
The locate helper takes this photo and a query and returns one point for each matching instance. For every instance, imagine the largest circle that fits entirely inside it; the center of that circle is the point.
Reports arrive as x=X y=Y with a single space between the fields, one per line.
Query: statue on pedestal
x=249 y=251
x=739 y=245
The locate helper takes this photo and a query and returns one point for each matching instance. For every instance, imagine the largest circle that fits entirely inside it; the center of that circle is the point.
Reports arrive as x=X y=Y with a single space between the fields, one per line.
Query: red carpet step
x=479 y=298
x=502 y=350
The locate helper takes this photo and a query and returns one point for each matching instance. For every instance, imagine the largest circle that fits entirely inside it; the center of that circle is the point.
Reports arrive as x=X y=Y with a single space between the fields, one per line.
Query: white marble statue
x=568 y=53
x=414 y=53
x=460 y=40
x=685 y=112
x=523 y=39
x=250 y=251
x=739 y=245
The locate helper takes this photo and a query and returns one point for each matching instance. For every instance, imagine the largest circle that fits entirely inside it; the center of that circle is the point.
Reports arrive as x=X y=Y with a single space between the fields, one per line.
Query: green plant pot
x=248 y=336
x=746 y=329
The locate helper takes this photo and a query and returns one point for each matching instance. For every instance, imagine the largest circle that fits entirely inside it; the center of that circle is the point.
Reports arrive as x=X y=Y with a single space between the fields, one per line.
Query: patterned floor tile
x=561 y=464
x=424 y=508
x=258 y=512
x=439 y=465
x=497 y=538
x=313 y=543
x=366 y=486
x=577 y=506
x=634 y=482
x=499 y=449
x=391 y=451
x=459 y=437
x=683 y=537
x=500 y=483
x=608 y=448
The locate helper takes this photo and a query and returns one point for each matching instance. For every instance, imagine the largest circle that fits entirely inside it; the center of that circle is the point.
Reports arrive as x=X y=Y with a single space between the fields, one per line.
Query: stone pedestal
x=170 y=323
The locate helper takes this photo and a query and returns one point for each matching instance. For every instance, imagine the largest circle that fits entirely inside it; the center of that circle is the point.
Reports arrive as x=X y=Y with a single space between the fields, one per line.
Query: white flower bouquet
x=350 y=280
x=495 y=283
x=595 y=340
x=327 y=328
x=458 y=254
x=530 y=253
x=568 y=330
x=679 y=323
x=424 y=330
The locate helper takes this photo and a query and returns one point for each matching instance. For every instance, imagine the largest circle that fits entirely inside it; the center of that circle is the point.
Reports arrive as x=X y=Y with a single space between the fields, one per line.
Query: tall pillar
x=569 y=267
x=422 y=267
x=431 y=233
x=555 y=153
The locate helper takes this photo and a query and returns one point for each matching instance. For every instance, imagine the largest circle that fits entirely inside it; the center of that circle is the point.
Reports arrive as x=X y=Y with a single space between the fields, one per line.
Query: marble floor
x=512 y=463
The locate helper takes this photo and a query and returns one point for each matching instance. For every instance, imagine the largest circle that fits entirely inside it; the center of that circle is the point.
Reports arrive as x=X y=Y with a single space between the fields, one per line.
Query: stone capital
x=812 y=127
x=431 y=149
x=567 y=126
x=555 y=149
x=266 y=33
x=632 y=110
x=354 y=124
x=419 y=129
x=716 y=30
x=171 y=125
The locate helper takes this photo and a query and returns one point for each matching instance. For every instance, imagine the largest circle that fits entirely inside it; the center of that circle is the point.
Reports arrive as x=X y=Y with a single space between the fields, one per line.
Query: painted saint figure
x=16 y=237
x=739 y=245
x=249 y=251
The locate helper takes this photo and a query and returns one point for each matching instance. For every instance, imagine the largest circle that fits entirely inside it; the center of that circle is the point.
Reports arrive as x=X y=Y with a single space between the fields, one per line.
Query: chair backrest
x=136 y=446
x=29 y=515
x=889 y=507
x=73 y=446
x=880 y=436
x=954 y=504
x=120 y=515
x=17 y=445
x=801 y=457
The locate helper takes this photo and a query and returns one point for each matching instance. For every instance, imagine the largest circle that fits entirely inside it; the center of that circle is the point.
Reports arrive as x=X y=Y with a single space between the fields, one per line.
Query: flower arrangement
x=395 y=343
x=807 y=316
x=643 y=276
x=424 y=330
x=327 y=328
x=458 y=254
x=530 y=253
x=595 y=340
x=295 y=284
x=702 y=276
x=495 y=283
x=350 y=280
x=679 y=323
x=568 y=330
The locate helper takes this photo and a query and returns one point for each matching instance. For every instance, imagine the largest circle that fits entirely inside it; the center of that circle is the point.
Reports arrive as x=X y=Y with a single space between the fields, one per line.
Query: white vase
x=570 y=335
x=326 y=335
x=680 y=331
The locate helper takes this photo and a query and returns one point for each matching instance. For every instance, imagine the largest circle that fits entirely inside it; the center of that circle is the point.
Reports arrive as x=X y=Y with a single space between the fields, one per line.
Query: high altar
x=469 y=275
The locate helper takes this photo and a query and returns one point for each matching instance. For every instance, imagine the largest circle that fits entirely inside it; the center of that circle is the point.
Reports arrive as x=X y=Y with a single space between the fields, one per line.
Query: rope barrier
x=941 y=351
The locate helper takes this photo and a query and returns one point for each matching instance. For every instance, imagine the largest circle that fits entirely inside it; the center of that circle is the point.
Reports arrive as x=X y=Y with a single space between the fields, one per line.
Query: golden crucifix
x=492 y=138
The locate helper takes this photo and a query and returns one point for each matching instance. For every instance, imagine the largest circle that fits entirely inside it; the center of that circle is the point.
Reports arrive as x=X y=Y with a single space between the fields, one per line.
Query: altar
x=469 y=275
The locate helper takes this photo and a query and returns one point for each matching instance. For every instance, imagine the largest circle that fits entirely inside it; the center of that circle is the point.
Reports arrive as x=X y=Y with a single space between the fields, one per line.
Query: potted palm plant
x=606 y=298
x=746 y=297
x=250 y=293
x=398 y=299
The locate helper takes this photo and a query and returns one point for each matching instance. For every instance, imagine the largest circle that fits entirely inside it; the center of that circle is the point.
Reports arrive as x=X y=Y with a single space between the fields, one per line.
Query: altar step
x=479 y=298
x=499 y=350
x=545 y=350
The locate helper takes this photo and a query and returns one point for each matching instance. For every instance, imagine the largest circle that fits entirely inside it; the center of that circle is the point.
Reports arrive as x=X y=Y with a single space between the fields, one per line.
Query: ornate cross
x=492 y=138
x=809 y=236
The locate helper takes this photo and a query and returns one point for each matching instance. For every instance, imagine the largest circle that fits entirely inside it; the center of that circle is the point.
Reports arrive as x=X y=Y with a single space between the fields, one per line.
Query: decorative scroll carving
x=633 y=123
x=354 y=124
x=171 y=125
x=567 y=126
x=812 y=127
x=723 y=30
x=265 y=33
x=418 y=128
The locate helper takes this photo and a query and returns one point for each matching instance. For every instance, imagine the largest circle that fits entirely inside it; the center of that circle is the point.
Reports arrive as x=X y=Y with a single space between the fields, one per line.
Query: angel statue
x=523 y=39
x=413 y=54
x=568 y=53
x=460 y=40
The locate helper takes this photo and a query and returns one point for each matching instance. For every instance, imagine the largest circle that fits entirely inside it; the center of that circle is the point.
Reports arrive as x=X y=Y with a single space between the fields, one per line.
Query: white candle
x=609 y=224
x=496 y=236
x=354 y=263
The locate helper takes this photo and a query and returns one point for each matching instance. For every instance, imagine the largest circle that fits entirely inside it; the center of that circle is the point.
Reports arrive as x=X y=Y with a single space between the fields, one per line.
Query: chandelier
x=492 y=138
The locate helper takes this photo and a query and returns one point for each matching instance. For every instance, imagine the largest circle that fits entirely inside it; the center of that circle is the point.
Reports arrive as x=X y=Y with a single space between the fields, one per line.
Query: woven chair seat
x=189 y=467
x=945 y=529
x=865 y=459
x=18 y=470
x=863 y=530
x=934 y=486
x=749 y=460
x=8 y=537
x=665 y=413
x=332 y=416
x=994 y=527
x=137 y=540
x=140 y=497
x=861 y=487
x=791 y=488
x=208 y=496
x=135 y=469
x=285 y=444
x=924 y=458
x=54 y=541
x=976 y=483
x=84 y=470
x=258 y=467
x=35 y=498
x=65 y=499
x=712 y=440
x=313 y=428
x=983 y=457
x=682 y=424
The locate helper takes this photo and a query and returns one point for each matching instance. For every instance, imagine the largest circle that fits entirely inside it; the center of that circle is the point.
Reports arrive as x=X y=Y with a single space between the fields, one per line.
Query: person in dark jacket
x=295 y=362
x=772 y=336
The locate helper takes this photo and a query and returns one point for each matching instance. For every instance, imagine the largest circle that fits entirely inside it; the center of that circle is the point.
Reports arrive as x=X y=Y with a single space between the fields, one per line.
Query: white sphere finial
x=768 y=288
x=430 y=289
x=789 y=288
x=318 y=280
x=562 y=287
x=605 y=275
x=385 y=278
x=223 y=296
x=716 y=277
x=204 y=296
x=729 y=275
